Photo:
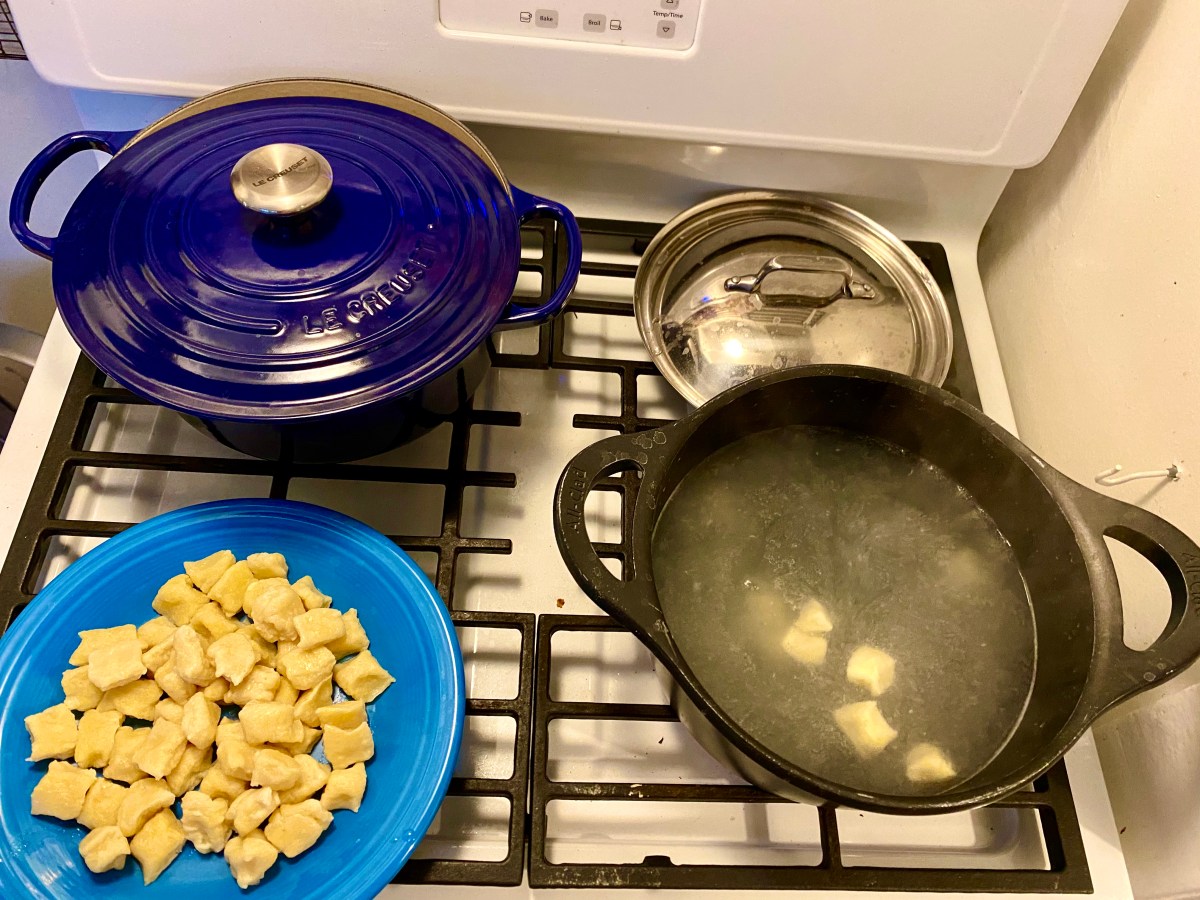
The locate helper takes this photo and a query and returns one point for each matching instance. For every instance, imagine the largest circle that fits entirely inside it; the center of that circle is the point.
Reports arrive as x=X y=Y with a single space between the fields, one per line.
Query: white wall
x=1092 y=267
x=32 y=114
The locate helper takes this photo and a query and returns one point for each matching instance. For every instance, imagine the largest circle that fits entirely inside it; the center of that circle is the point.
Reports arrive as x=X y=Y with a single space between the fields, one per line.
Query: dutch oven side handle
x=528 y=206
x=632 y=602
x=1177 y=558
x=39 y=170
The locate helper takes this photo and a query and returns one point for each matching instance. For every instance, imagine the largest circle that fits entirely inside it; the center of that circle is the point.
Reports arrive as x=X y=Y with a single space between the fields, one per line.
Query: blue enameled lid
x=180 y=292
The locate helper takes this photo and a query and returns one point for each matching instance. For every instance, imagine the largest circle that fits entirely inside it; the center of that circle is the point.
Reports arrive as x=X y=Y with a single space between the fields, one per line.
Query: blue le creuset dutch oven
x=309 y=269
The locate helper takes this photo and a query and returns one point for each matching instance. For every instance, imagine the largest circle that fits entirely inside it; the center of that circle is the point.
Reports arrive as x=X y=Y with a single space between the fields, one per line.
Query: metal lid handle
x=281 y=179
x=814 y=265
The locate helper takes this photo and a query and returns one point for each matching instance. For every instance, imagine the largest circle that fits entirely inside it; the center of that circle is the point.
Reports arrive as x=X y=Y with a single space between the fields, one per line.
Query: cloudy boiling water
x=901 y=556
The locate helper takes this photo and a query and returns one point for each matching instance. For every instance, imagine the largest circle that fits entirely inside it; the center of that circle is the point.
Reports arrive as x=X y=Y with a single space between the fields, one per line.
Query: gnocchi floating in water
x=235 y=677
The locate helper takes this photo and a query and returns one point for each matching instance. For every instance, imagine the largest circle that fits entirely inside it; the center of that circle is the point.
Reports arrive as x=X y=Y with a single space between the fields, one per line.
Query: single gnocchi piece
x=273 y=606
x=865 y=727
x=250 y=857
x=216 y=690
x=286 y=693
x=104 y=849
x=168 y=709
x=78 y=691
x=269 y=722
x=927 y=763
x=266 y=649
x=318 y=627
x=143 y=799
x=312 y=701
x=208 y=571
x=267 y=565
x=236 y=758
x=210 y=622
x=53 y=733
x=871 y=668
x=95 y=638
x=346 y=714
x=162 y=750
x=126 y=745
x=191 y=768
x=158 y=655
x=204 y=821
x=116 y=664
x=97 y=731
x=157 y=844
x=305 y=669
x=199 y=722
x=354 y=640
x=61 y=791
x=345 y=788
x=172 y=684
x=251 y=809
x=363 y=678
x=314 y=775
x=312 y=597
x=274 y=769
x=100 y=806
x=813 y=618
x=296 y=827
x=230 y=589
x=218 y=783
x=807 y=649
x=137 y=700
x=344 y=748
x=178 y=600
x=260 y=684
x=233 y=656
x=154 y=631
x=190 y=660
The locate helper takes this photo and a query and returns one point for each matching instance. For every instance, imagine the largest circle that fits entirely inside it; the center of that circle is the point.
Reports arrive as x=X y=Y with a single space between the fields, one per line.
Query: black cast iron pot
x=1056 y=528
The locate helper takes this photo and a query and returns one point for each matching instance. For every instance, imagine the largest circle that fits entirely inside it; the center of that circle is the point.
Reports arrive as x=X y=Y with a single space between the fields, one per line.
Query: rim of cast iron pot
x=779 y=766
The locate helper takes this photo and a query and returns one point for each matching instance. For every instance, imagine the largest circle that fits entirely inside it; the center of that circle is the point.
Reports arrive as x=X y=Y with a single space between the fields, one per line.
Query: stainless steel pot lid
x=760 y=281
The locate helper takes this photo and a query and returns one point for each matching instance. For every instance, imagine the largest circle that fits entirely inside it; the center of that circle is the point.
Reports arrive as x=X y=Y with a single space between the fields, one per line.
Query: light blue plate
x=417 y=722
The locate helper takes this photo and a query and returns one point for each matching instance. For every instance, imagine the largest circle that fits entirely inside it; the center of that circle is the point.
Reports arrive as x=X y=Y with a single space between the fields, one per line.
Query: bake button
x=669 y=4
x=666 y=29
x=546 y=18
x=594 y=22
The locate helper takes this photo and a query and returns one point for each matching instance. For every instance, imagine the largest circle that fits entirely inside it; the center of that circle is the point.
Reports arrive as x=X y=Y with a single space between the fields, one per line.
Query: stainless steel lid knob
x=281 y=179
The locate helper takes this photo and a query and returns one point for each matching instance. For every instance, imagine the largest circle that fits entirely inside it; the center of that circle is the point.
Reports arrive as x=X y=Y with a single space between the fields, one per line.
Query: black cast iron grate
x=10 y=42
x=529 y=786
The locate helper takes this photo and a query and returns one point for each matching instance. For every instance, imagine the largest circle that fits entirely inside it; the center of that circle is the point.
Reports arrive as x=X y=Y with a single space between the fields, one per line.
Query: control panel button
x=526 y=18
x=614 y=25
x=666 y=29
x=669 y=4
x=548 y=18
x=594 y=22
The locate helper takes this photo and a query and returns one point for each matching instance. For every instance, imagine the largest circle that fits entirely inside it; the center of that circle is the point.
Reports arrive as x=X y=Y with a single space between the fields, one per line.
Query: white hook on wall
x=1112 y=477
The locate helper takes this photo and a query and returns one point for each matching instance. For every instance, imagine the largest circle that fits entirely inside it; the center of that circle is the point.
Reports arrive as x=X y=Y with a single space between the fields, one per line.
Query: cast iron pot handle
x=634 y=603
x=528 y=206
x=1177 y=558
x=39 y=170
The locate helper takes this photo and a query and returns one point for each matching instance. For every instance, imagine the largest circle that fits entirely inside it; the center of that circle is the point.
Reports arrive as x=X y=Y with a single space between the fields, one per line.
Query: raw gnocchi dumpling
x=871 y=668
x=927 y=763
x=865 y=727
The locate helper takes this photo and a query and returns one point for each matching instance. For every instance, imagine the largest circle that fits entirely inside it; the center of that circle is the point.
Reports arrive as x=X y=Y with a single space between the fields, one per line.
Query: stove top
x=573 y=772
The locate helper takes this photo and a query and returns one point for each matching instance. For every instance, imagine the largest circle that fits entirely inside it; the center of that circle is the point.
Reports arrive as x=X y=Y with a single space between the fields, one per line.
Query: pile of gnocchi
x=218 y=702
x=873 y=670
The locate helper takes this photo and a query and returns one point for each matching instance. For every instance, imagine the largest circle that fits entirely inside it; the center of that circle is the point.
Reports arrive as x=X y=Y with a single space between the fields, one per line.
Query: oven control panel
x=653 y=24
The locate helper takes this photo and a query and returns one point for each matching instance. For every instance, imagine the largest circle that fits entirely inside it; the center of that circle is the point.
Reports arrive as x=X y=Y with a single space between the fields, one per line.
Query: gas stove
x=573 y=772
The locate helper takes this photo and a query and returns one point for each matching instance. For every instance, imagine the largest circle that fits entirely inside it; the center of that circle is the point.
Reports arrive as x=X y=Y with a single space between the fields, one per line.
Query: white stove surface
x=604 y=667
